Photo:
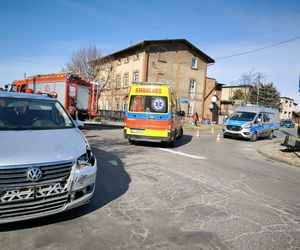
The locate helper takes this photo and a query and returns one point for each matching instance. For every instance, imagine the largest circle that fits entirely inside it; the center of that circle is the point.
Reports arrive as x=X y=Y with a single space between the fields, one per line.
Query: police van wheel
x=271 y=135
x=254 y=137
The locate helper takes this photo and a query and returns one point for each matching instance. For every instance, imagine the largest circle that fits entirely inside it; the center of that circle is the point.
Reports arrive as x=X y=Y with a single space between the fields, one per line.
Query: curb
x=274 y=158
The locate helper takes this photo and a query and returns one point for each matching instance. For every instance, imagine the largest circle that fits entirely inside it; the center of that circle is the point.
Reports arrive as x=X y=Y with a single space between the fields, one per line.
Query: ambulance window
x=153 y=104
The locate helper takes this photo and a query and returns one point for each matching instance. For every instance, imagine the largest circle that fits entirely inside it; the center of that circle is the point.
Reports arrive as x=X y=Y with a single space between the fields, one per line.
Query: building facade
x=233 y=96
x=176 y=62
x=212 y=100
x=287 y=108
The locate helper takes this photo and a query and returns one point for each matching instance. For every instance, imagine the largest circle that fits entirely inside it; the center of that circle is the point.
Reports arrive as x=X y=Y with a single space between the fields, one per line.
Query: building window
x=135 y=76
x=117 y=105
x=192 y=86
x=124 y=105
x=126 y=59
x=136 y=56
x=160 y=77
x=194 y=63
x=162 y=55
x=190 y=109
x=108 y=84
x=118 y=82
x=125 y=81
x=119 y=62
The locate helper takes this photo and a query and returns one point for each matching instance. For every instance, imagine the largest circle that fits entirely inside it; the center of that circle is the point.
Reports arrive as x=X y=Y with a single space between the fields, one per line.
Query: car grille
x=16 y=176
x=234 y=128
x=18 y=202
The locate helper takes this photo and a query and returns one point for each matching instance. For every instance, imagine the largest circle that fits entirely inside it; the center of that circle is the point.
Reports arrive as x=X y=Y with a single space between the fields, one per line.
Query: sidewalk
x=275 y=151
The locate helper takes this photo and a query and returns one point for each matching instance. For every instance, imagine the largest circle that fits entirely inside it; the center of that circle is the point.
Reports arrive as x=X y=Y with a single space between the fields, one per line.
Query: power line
x=251 y=51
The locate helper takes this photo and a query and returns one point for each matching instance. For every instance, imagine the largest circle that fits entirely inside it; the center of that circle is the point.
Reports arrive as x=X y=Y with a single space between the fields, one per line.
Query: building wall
x=227 y=93
x=128 y=65
x=288 y=106
x=172 y=63
x=212 y=110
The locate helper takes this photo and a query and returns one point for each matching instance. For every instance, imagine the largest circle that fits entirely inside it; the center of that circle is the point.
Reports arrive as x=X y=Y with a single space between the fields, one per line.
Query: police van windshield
x=152 y=104
x=32 y=114
x=243 y=116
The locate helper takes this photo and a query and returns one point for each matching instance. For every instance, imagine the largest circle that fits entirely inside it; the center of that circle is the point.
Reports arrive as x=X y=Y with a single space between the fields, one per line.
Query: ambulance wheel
x=171 y=144
x=180 y=133
x=254 y=137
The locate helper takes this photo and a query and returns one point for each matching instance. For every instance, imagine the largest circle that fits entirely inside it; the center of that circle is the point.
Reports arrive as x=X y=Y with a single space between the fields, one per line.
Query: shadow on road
x=185 y=139
x=102 y=126
x=112 y=182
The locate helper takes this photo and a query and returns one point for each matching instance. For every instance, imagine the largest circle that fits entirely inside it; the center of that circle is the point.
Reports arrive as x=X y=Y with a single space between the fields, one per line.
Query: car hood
x=40 y=146
x=237 y=123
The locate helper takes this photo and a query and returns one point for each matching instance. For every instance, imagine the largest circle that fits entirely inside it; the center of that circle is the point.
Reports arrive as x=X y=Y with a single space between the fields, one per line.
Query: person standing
x=196 y=118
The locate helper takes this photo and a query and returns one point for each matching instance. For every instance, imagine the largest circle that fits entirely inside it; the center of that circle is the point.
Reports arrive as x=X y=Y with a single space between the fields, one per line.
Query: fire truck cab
x=72 y=90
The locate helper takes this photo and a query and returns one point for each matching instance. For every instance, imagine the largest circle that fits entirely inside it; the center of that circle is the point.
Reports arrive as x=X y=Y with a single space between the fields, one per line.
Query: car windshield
x=32 y=114
x=243 y=116
x=152 y=104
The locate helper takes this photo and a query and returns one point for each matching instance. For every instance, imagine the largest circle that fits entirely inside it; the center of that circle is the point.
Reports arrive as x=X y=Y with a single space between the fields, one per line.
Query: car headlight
x=248 y=125
x=87 y=159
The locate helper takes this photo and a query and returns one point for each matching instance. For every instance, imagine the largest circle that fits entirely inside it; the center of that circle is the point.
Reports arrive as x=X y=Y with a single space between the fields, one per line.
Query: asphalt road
x=202 y=194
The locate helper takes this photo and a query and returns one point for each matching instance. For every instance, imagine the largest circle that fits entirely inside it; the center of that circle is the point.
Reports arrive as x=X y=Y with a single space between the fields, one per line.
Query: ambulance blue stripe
x=144 y=116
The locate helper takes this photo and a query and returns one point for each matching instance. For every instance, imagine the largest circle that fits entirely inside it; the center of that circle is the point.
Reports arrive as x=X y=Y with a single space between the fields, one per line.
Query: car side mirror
x=79 y=124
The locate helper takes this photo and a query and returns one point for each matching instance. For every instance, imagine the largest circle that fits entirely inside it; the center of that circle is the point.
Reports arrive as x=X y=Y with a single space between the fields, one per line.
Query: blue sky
x=38 y=36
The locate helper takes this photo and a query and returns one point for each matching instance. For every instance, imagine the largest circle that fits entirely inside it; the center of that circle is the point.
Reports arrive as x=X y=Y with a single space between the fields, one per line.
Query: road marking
x=184 y=154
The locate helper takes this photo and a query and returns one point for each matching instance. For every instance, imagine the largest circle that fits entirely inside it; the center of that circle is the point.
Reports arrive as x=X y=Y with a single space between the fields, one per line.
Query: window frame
x=126 y=76
x=192 y=90
x=133 y=78
x=194 y=63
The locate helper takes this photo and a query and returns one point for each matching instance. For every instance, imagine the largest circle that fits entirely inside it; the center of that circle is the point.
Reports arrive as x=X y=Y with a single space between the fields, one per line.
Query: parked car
x=288 y=124
x=46 y=164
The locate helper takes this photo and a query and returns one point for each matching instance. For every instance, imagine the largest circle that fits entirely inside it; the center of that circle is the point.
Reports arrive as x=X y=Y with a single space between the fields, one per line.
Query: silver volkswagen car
x=46 y=164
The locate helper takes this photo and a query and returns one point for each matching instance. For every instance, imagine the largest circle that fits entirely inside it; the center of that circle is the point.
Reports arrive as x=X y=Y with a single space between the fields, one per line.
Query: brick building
x=175 y=61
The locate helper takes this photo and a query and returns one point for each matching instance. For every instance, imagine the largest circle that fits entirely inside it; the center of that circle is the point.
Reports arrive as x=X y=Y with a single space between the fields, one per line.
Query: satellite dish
x=214 y=98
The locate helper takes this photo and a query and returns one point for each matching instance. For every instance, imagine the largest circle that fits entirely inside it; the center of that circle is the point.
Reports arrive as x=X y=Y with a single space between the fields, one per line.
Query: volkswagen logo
x=34 y=174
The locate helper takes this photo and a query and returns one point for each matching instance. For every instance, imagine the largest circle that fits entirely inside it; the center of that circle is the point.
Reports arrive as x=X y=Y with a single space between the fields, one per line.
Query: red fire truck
x=72 y=90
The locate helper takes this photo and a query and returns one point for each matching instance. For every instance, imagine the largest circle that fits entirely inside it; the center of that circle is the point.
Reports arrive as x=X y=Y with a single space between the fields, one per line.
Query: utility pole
x=257 y=91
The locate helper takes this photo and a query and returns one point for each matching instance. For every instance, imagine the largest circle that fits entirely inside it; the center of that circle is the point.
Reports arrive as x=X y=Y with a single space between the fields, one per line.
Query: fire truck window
x=23 y=88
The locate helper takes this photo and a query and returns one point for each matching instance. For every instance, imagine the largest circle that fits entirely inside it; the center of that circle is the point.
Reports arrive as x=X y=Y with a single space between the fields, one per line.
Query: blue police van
x=252 y=122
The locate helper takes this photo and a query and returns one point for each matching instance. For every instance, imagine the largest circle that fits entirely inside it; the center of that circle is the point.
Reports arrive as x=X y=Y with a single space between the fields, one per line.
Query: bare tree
x=103 y=71
x=80 y=62
x=253 y=80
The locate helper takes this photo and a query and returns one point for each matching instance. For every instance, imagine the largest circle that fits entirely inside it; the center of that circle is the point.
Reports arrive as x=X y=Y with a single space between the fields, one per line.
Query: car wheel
x=225 y=136
x=131 y=142
x=271 y=135
x=254 y=137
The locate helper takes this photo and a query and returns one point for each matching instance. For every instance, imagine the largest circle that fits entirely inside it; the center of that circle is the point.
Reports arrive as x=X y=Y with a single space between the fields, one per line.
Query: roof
x=238 y=86
x=142 y=45
x=287 y=98
x=25 y=96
